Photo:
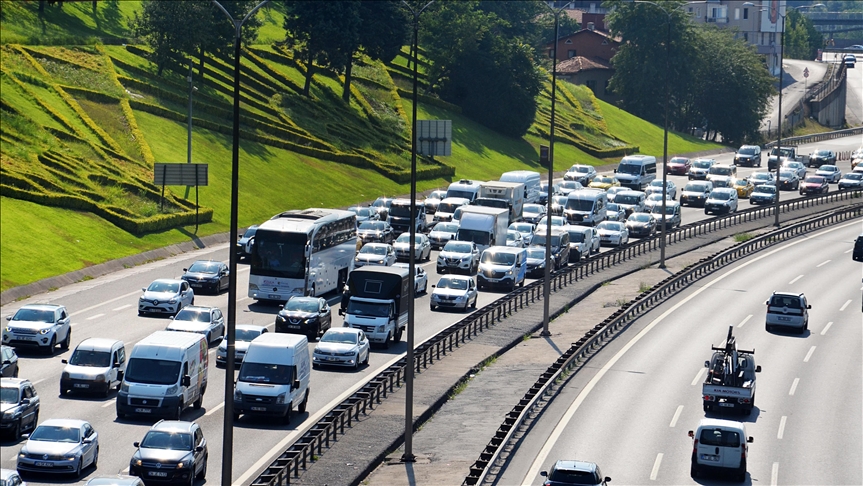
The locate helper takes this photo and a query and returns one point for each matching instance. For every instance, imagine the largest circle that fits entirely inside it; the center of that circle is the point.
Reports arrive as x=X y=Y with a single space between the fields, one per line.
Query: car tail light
x=744 y=400
x=708 y=398
x=695 y=446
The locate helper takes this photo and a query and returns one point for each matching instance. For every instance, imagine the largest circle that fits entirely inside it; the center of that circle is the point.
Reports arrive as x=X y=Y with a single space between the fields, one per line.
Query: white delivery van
x=96 y=366
x=274 y=377
x=720 y=446
x=531 y=181
x=587 y=207
x=166 y=372
x=502 y=266
x=636 y=171
x=465 y=188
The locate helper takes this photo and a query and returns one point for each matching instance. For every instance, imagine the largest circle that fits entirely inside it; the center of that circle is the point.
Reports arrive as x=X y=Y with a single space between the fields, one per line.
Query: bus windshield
x=279 y=254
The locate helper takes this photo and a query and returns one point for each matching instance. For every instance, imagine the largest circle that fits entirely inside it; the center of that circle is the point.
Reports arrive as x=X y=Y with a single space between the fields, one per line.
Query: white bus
x=302 y=252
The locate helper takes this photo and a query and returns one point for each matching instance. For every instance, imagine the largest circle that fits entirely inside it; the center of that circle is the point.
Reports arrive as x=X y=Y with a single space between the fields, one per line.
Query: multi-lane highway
x=630 y=409
x=106 y=307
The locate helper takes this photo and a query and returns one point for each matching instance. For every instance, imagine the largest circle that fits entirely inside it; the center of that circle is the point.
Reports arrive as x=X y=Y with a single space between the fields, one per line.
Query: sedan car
x=207 y=275
x=305 y=315
x=342 y=346
x=421 y=278
x=822 y=157
x=612 y=233
x=243 y=335
x=40 y=326
x=699 y=169
x=8 y=362
x=654 y=200
x=208 y=321
x=763 y=194
x=433 y=200
x=679 y=165
x=375 y=254
x=526 y=230
x=19 y=407
x=364 y=214
x=814 y=185
x=758 y=178
x=458 y=256
x=797 y=167
x=246 y=242
x=165 y=296
x=641 y=224
x=422 y=247
x=532 y=213
x=441 y=233
x=171 y=451
x=672 y=214
x=536 y=261
x=514 y=239
x=614 y=212
x=655 y=187
x=452 y=292
x=744 y=188
x=721 y=200
x=375 y=231
x=604 y=182
x=695 y=193
x=565 y=473
x=580 y=173
x=829 y=172
x=566 y=187
x=60 y=446
x=788 y=180
x=852 y=180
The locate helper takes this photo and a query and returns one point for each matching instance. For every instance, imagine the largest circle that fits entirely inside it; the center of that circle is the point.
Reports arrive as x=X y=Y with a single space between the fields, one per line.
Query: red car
x=814 y=185
x=679 y=165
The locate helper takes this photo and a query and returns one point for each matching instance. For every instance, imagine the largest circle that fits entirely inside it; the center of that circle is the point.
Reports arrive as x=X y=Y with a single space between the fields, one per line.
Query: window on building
x=570 y=53
x=590 y=83
x=551 y=53
x=568 y=41
x=736 y=14
x=745 y=14
x=746 y=36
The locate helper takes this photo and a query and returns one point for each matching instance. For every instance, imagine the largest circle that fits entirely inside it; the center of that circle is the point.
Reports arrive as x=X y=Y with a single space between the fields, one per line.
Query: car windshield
x=302 y=305
x=497 y=258
x=721 y=183
x=34 y=315
x=721 y=170
x=814 y=180
x=823 y=153
x=722 y=195
x=655 y=197
x=604 y=180
x=610 y=226
x=786 y=173
x=627 y=199
x=640 y=218
x=406 y=238
x=532 y=209
x=152 y=371
x=159 y=439
x=193 y=315
x=99 y=359
x=694 y=188
x=204 y=267
x=854 y=176
x=575 y=236
x=457 y=247
x=372 y=225
x=536 y=252
x=382 y=203
x=9 y=394
x=452 y=283
x=245 y=335
x=522 y=227
x=339 y=337
x=446 y=227
x=368 y=309
x=448 y=207
x=579 y=204
x=791 y=164
x=625 y=168
x=766 y=188
x=373 y=250
x=613 y=207
x=513 y=235
x=172 y=287
x=746 y=151
x=250 y=232
x=677 y=160
x=364 y=212
x=701 y=164
x=669 y=209
x=570 y=185
x=56 y=433
x=274 y=374
x=570 y=476
x=761 y=176
x=828 y=168
x=580 y=168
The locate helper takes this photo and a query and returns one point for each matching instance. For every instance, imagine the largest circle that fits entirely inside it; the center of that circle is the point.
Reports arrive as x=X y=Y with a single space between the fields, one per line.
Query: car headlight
x=253 y=287
x=184 y=464
x=173 y=300
x=508 y=272
x=100 y=379
x=381 y=328
x=124 y=387
x=381 y=261
x=7 y=329
x=238 y=395
x=12 y=413
x=460 y=297
x=44 y=331
x=71 y=457
x=347 y=353
x=23 y=453
x=137 y=462
x=65 y=375
x=172 y=390
x=281 y=398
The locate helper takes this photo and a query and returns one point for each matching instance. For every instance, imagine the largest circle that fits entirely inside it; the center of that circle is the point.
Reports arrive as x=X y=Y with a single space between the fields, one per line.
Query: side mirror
x=809 y=306
x=185 y=269
x=8 y=318
x=187 y=380
x=136 y=444
x=758 y=369
x=281 y=306
x=766 y=302
x=142 y=290
x=199 y=449
x=544 y=474
x=25 y=401
x=607 y=479
x=750 y=439
x=87 y=440
x=707 y=364
x=341 y=312
x=296 y=384
x=62 y=361
x=691 y=434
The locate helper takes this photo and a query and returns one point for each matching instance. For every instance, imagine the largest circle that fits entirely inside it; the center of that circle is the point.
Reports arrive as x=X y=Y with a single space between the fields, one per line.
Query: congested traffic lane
x=630 y=410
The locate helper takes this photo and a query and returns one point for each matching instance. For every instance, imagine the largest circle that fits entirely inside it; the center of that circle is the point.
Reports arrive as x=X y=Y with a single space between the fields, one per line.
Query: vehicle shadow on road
x=736 y=416
x=271 y=423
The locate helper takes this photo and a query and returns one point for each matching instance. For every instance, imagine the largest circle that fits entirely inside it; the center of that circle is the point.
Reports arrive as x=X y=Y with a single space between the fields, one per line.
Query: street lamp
x=546 y=290
x=764 y=8
x=668 y=13
x=408 y=455
x=228 y=427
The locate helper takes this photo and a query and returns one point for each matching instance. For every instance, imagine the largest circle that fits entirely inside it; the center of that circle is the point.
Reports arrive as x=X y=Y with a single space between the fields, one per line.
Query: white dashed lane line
x=781 y=427
x=108 y=403
x=846 y=304
x=823 y=332
x=676 y=416
x=774 y=474
x=745 y=320
x=215 y=409
x=697 y=378
x=794 y=386
x=121 y=307
x=809 y=354
x=822 y=263
x=95 y=317
x=655 y=471
x=795 y=279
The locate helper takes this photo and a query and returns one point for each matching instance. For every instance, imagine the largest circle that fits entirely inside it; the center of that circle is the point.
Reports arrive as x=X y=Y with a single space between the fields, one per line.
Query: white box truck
x=165 y=374
x=274 y=377
x=378 y=303
x=483 y=225
x=511 y=192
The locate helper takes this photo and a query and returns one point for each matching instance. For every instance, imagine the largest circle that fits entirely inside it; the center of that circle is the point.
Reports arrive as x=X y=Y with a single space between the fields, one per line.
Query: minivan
x=587 y=206
x=636 y=171
x=502 y=266
x=274 y=377
x=96 y=366
x=719 y=445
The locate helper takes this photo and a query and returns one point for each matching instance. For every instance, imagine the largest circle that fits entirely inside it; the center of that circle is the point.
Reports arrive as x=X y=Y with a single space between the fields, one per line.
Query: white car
x=453 y=292
x=615 y=212
x=721 y=200
x=555 y=221
x=655 y=200
x=433 y=200
x=526 y=230
x=514 y=238
x=672 y=214
x=798 y=167
x=585 y=239
x=41 y=326
x=422 y=247
x=208 y=321
x=342 y=346
x=375 y=254
x=656 y=187
x=60 y=446
x=580 y=173
x=566 y=187
x=720 y=445
x=165 y=296
x=613 y=233
x=243 y=335
x=458 y=256
x=532 y=213
x=10 y=477
x=421 y=278
x=441 y=233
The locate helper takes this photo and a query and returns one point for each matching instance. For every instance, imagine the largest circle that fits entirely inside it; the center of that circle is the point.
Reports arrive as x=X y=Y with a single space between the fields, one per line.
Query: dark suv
x=20 y=404
x=305 y=315
x=171 y=452
x=822 y=157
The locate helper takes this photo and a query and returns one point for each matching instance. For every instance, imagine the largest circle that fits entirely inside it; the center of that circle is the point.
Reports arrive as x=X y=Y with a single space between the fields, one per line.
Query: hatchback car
x=679 y=165
x=814 y=185
x=789 y=180
x=375 y=254
x=20 y=406
x=243 y=335
x=342 y=346
x=536 y=262
x=305 y=315
x=433 y=200
x=441 y=233
x=421 y=277
x=612 y=233
x=700 y=168
x=8 y=362
x=40 y=326
x=165 y=296
x=172 y=451
x=207 y=275
x=567 y=473
x=822 y=157
x=375 y=231
x=532 y=213
x=787 y=309
x=458 y=256
x=829 y=172
x=721 y=200
x=798 y=167
x=744 y=188
x=641 y=224
x=208 y=321
x=60 y=446
x=695 y=193
x=852 y=180
x=453 y=292
x=514 y=239
x=655 y=187
x=526 y=230
x=422 y=247
x=763 y=194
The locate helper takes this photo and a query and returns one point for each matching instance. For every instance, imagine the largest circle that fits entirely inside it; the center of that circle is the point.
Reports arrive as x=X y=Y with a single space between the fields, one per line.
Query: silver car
x=208 y=321
x=41 y=326
x=243 y=335
x=514 y=239
x=655 y=187
x=454 y=292
x=612 y=233
x=60 y=446
x=165 y=296
x=580 y=173
x=798 y=167
x=375 y=254
x=441 y=233
x=526 y=230
x=422 y=247
x=421 y=278
x=458 y=256
x=829 y=172
x=342 y=346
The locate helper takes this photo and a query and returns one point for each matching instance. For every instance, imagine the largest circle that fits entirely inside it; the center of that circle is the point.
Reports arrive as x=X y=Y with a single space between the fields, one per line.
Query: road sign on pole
x=805 y=72
x=181 y=175
x=434 y=137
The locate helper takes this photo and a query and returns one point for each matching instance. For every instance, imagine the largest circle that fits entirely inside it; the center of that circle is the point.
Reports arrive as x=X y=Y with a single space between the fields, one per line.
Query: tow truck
x=730 y=381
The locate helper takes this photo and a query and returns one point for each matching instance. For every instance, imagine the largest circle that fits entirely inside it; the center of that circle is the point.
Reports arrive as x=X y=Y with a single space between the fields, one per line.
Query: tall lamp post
x=408 y=455
x=781 y=15
x=228 y=427
x=546 y=289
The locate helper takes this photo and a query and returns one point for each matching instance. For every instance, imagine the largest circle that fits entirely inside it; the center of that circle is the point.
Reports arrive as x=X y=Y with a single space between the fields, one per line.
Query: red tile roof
x=578 y=64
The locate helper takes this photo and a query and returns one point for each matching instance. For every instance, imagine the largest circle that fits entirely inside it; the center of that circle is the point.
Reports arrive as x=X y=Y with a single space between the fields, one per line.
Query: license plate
x=330 y=358
x=144 y=410
x=274 y=296
x=45 y=464
x=709 y=457
x=26 y=338
x=259 y=409
x=82 y=385
x=196 y=285
x=726 y=404
x=293 y=327
x=160 y=474
x=784 y=318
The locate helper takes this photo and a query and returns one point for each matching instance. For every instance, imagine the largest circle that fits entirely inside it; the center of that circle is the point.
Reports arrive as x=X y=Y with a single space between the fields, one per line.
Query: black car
x=822 y=157
x=748 y=155
x=375 y=232
x=535 y=262
x=207 y=275
x=305 y=315
x=20 y=404
x=171 y=452
x=641 y=224
x=246 y=241
x=8 y=362
x=763 y=194
x=788 y=180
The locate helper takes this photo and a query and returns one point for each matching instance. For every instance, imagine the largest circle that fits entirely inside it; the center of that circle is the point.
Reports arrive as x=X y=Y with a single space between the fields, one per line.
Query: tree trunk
x=160 y=67
x=346 y=94
x=308 y=84
x=201 y=66
x=94 y=6
x=41 y=6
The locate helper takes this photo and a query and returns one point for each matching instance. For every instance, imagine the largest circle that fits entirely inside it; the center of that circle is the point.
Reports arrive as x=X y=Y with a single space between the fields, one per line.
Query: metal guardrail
x=817 y=137
x=595 y=338
x=298 y=455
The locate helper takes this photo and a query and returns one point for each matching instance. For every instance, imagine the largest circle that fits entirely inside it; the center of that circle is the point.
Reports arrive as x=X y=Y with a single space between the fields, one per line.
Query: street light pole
x=228 y=422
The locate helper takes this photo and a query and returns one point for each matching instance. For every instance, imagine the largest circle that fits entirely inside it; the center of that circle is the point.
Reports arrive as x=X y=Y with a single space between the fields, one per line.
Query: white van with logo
x=165 y=374
x=529 y=178
x=96 y=366
x=636 y=171
x=586 y=207
x=719 y=446
x=274 y=377
x=502 y=266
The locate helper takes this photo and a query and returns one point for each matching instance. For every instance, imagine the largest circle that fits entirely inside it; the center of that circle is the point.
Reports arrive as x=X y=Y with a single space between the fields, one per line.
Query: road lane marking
x=809 y=354
x=745 y=320
x=795 y=279
x=121 y=307
x=676 y=416
x=794 y=386
x=823 y=332
x=781 y=427
x=95 y=317
x=844 y=305
x=849 y=250
x=215 y=409
x=109 y=301
x=655 y=470
x=38 y=381
x=108 y=403
x=774 y=474
x=697 y=378
x=823 y=263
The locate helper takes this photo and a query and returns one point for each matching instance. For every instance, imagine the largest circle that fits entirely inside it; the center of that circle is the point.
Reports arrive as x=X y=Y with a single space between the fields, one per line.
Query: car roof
x=457 y=277
x=198 y=308
x=173 y=425
x=41 y=306
x=63 y=423
x=13 y=381
x=306 y=298
x=575 y=465
x=249 y=327
x=98 y=344
x=711 y=422
x=725 y=189
x=788 y=294
x=343 y=330
x=169 y=280
x=372 y=245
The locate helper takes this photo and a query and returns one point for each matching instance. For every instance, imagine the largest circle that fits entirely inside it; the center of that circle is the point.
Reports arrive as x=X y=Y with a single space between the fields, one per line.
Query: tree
x=802 y=39
x=169 y=28
x=217 y=33
x=382 y=32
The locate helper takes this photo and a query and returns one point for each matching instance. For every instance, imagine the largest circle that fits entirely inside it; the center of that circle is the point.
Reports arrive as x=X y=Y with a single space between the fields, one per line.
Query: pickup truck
x=777 y=155
x=730 y=381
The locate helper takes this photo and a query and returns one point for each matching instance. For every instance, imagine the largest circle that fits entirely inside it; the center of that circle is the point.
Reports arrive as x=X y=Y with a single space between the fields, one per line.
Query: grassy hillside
x=83 y=122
